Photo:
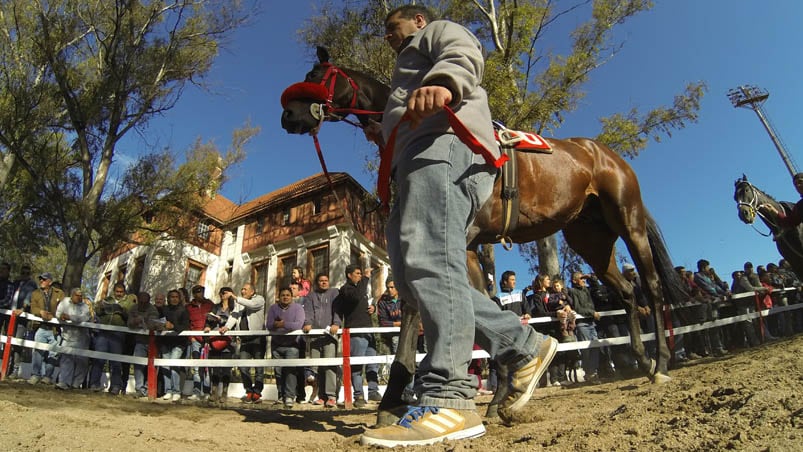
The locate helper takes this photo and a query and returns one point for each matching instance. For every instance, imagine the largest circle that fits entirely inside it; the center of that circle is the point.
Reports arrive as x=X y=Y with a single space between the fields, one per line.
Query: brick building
x=303 y=224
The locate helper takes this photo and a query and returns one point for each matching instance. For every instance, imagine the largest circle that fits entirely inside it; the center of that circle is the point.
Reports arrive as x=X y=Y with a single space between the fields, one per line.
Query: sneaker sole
x=526 y=395
x=469 y=433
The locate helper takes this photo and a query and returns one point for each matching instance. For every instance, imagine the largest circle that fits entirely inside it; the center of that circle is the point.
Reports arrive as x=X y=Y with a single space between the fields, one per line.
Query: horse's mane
x=364 y=75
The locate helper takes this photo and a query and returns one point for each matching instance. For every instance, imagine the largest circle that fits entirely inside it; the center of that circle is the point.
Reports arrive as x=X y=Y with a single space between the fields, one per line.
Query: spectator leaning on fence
x=586 y=327
x=21 y=302
x=249 y=315
x=352 y=305
x=142 y=316
x=198 y=307
x=744 y=331
x=319 y=313
x=220 y=346
x=173 y=346
x=111 y=311
x=44 y=302
x=389 y=311
x=284 y=317
x=73 y=368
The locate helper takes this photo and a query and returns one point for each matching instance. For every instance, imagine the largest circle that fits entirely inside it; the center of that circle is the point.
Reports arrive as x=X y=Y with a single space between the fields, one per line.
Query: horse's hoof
x=390 y=416
x=660 y=378
x=492 y=412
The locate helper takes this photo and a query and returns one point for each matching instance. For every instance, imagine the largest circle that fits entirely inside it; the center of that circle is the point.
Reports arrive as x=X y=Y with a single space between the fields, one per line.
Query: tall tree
x=530 y=86
x=76 y=78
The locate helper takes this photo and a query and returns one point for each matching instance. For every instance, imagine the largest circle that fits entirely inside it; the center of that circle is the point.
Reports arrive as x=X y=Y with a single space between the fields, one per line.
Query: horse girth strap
x=510 y=198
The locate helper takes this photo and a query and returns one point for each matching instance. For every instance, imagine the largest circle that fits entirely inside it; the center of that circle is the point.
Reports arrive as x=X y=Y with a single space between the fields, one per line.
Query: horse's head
x=746 y=200
x=328 y=93
x=750 y=201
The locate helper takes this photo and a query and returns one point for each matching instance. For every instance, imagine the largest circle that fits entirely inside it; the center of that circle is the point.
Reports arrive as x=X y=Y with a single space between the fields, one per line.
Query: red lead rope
x=462 y=132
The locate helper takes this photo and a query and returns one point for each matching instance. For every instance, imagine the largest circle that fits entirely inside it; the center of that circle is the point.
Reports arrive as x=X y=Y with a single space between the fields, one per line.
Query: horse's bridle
x=753 y=205
x=324 y=91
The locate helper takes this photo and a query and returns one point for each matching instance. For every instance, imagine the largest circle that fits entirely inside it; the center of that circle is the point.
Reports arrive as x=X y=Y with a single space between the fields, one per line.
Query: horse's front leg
x=402 y=369
x=492 y=412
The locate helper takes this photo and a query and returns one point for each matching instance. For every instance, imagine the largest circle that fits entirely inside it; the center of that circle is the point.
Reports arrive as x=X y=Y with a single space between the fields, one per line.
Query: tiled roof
x=220 y=208
x=310 y=184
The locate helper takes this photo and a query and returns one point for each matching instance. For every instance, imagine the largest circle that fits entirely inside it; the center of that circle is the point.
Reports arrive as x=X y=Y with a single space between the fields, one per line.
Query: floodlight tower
x=748 y=96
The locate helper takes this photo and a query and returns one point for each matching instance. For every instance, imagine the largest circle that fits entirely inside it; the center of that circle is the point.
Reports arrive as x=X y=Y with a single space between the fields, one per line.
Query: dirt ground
x=749 y=400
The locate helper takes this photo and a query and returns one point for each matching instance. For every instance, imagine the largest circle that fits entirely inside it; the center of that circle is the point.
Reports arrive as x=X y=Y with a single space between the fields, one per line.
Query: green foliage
x=629 y=133
x=75 y=77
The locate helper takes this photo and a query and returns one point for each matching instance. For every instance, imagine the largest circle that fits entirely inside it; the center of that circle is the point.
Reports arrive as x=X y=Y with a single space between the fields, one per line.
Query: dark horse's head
x=329 y=93
x=748 y=200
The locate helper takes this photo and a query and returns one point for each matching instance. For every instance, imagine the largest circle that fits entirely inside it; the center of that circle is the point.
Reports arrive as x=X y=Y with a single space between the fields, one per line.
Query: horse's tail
x=674 y=289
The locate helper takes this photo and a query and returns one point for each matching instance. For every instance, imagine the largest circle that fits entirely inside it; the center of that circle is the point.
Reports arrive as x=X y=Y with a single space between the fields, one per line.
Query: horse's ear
x=323 y=54
x=744 y=177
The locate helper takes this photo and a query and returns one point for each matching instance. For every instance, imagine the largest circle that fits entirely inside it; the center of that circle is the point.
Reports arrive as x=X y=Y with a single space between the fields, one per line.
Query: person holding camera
x=249 y=315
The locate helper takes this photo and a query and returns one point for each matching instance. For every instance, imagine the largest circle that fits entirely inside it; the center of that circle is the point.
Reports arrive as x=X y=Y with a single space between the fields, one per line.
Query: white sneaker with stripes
x=421 y=426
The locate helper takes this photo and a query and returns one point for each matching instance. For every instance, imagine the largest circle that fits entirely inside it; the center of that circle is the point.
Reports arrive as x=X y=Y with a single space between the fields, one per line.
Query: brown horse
x=583 y=189
x=789 y=241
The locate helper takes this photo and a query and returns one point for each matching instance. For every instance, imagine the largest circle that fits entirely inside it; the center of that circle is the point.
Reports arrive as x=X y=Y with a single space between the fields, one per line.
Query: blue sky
x=686 y=180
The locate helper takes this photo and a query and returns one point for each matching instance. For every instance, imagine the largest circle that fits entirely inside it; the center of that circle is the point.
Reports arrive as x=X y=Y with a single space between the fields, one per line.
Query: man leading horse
x=440 y=186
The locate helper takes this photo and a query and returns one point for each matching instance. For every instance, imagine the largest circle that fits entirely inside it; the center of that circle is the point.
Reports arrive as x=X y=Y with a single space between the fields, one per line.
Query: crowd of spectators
x=568 y=313
x=576 y=316
x=301 y=306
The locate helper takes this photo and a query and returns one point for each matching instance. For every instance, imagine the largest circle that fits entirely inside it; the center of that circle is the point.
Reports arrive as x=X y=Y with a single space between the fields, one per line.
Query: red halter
x=323 y=91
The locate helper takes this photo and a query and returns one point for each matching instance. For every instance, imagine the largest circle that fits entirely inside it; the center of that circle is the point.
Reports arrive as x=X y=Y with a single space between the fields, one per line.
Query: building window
x=285 y=270
x=316 y=206
x=259 y=279
x=285 y=216
x=260 y=225
x=121 y=270
x=320 y=262
x=195 y=273
x=202 y=231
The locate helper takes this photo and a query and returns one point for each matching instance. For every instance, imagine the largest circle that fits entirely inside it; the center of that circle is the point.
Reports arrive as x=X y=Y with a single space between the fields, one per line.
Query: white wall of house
x=165 y=267
x=166 y=261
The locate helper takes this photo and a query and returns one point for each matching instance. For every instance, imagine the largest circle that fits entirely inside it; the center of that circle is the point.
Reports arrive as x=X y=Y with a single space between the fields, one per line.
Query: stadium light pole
x=752 y=97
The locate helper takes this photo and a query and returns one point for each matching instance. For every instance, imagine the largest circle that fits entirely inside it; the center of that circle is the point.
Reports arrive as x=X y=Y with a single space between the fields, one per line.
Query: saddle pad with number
x=521 y=141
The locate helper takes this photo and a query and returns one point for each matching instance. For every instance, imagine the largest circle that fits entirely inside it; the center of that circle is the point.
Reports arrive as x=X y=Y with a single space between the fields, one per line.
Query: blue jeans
x=252 y=350
x=590 y=356
x=324 y=347
x=73 y=368
x=364 y=345
x=441 y=185
x=140 y=350
x=289 y=374
x=200 y=377
x=42 y=361
x=107 y=342
x=170 y=375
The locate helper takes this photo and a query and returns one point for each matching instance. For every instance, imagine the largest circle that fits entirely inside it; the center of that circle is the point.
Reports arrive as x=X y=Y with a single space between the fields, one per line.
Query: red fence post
x=347 y=369
x=12 y=326
x=669 y=327
x=151 y=367
x=759 y=308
